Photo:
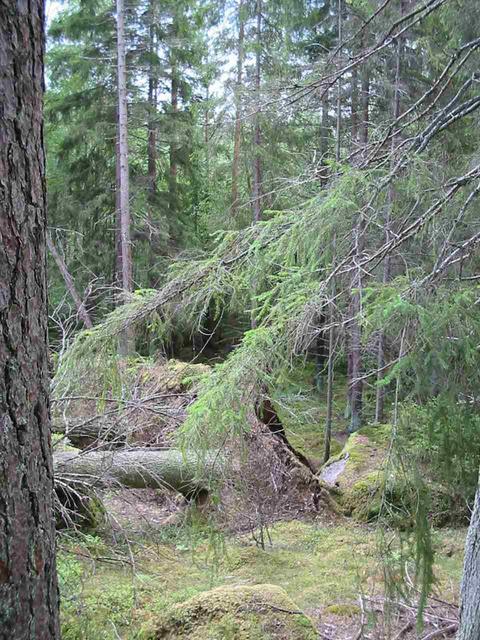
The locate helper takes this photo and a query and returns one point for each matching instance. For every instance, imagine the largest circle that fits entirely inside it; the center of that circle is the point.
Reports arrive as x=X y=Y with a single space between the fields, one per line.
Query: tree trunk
x=152 y=110
x=123 y=150
x=28 y=582
x=356 y=384
x=354 y=106
x=69 y=283
x=396 y=110
x=470 y=591
x=172 y=180
x=365 y=102
x=125 y=339
x=257 y=137
x=237 y=136
x=140 y=468
x=324 y=141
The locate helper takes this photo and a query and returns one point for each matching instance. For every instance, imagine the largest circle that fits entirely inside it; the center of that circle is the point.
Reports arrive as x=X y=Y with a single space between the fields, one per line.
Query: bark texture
x=138 y=468
x=28 y=583
x=470 y=593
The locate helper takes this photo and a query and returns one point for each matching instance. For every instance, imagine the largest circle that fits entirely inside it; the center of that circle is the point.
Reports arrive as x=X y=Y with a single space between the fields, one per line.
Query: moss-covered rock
x=359 y=475
x=259 y=612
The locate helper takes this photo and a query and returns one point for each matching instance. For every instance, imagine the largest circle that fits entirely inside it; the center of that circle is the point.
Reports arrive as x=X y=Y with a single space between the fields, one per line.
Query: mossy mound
x=358 y=473
x=260 y=612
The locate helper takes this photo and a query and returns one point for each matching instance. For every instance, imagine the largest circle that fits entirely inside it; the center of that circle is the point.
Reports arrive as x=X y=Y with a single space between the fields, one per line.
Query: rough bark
x=257 y=136
x=28 y=583
x=470 y=590
x=139 y=468
x=237 y=136
x=69 y=283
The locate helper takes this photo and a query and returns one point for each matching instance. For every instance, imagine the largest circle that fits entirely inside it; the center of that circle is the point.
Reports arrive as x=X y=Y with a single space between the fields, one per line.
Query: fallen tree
x=140 y=468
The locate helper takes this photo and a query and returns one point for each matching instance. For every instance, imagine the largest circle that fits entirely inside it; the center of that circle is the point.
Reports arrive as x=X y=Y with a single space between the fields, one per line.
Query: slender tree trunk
x=28 y=581
x=331 y=333
x=206 y=138
x=152 y=107
x=257 y=137
x=365 y=106
x=118 y=217
x=123 y=150
x=124 y=196
x=354 y=105
x=69 y=283
x=396 y=110
x=324 y=141
x=356 y=384
x=172 y=180
x=470 y=590
x=237 y=136
x=330 y=368
x=152 y=147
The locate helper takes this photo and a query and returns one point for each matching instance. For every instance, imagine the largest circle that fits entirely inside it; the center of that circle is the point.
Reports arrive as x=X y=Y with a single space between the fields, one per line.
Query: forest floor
x=117 y=584
x=119 y=581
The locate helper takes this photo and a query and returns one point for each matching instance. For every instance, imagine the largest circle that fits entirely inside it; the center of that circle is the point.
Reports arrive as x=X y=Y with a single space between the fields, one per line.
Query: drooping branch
x=69 y=283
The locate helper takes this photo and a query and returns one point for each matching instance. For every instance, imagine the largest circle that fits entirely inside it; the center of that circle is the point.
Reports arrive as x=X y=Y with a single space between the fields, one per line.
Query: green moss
x=183 y=375
x=362 y=484
x=316 y=565
x=260 y=612
x=343 y=610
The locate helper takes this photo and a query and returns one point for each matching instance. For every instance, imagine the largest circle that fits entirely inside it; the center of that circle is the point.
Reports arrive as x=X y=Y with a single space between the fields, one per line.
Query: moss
x=362 y=481
x=314 y=563
x=238 y=612
x=184 y=375
x=343 y=610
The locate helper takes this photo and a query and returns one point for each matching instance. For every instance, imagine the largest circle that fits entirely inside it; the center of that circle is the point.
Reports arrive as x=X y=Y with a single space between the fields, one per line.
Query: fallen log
x=141 y=468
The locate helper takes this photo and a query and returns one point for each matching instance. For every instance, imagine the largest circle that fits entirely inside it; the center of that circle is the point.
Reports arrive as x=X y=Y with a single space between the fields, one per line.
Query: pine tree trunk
x=124 y=197
x=470 y=591
x=118 y=226
x=324 y=141
x=356 y=383
x=354 y=105
x=172 y=180
x=396 y=110
x=28 y=582
x=152 y=110
x=355 y=342
x=257 y=137
x=237 y=136
x=123 y=150
x=69 y=283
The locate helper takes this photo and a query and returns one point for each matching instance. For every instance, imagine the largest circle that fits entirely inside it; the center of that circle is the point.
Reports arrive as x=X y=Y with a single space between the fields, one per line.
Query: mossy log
x=141 y=468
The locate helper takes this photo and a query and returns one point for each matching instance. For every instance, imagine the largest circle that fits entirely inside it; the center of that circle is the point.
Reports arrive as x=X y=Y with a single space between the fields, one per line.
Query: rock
x=358 y=472
x=258 y=612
